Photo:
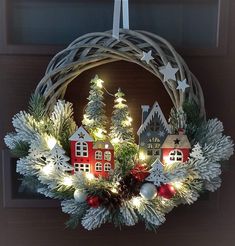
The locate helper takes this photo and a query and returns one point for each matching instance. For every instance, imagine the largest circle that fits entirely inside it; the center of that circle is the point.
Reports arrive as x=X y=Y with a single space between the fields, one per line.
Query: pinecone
x=128 y=187
x=110 y=200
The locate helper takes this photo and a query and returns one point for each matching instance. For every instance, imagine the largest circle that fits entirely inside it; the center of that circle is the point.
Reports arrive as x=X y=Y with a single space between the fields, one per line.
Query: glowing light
x=99 y=83
x=114 y=190
x=48 y=169
x=68 y=181
x=120 y=100
x=142 y=156
x=87 y=120
x=163 y=201
x=178 y=185
x=51 y=142
x=115 y=140
x=89 y=176
x=136 y=201
x=106 y=146
x=128 y=121
x=99 y=133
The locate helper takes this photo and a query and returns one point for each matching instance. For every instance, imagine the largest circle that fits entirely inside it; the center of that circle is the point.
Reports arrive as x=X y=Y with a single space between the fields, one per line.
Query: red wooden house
x=176 y=148
x=89 y=156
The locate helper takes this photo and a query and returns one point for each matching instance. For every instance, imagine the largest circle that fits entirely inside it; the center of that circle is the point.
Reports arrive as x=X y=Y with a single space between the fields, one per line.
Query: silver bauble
x=79 y=196
x=148 y=191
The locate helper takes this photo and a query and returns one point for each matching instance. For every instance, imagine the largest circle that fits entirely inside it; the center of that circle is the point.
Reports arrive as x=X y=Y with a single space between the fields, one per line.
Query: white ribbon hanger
x=117 y=15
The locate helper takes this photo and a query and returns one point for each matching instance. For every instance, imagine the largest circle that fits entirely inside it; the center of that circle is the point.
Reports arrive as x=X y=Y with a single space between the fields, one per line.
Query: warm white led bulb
x=136 y=201
x=99 y=133
x=99 y=83
x=68 y=181
x=51 y=142
x=89 y=176
x=87 y=120
x=48 y=169
x=115 y=140
x=142 y=156
x=178 y=185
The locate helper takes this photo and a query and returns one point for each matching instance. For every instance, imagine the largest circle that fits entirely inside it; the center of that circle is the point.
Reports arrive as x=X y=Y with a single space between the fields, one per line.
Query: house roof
x=155 y=110
x=102 y=145
x=176 y=141
x=81 y=135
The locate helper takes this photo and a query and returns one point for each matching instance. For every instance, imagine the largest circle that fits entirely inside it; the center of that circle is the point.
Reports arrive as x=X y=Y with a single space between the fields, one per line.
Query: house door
x=202 y=31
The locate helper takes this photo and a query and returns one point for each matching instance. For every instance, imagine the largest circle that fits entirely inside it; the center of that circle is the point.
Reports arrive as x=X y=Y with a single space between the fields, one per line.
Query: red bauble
x=93 y=201
x=140 y=172
x=167 y=191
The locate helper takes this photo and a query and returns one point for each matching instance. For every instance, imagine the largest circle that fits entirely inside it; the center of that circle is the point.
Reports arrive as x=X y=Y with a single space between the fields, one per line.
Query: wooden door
x=210 y=221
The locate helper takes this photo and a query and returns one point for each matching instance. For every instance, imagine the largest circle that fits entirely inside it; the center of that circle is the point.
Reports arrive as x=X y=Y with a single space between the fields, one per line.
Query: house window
x=154 y=126
x=107 y=167
x=82 y=167
x=98 y=155
x=153 y=147
x=176 y=155
x=81 y=149
x=107 y=156
x=98 y=167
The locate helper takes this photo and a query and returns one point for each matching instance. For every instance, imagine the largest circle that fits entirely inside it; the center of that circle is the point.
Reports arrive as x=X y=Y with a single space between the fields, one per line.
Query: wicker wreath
x=95 y=49
x=138 y=192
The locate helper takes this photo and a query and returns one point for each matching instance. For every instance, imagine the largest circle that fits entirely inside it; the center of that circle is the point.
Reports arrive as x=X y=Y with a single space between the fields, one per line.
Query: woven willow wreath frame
x=139 y=192
x=95 y=49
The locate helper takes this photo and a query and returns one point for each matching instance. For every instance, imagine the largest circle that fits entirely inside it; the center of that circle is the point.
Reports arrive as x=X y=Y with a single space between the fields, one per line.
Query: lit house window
x=98 y=166
x=153 y=147
x=107 y=156
x=81 y=149
x=82 y=167
x=176 y=155
x=107 y=167
x=98 y=155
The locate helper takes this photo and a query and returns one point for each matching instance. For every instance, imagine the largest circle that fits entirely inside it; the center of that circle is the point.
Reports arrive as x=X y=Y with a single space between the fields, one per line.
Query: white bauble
x=148 y=191
x=79 y=196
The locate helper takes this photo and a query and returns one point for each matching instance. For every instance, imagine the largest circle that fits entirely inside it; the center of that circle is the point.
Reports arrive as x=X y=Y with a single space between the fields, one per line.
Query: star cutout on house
x=182 y=85
x=177 y=141
x=147 y=56
x=168 y=71
x=81 y=135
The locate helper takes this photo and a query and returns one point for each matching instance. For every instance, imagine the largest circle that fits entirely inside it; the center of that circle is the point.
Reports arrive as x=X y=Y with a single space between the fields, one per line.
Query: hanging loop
x=117 y=15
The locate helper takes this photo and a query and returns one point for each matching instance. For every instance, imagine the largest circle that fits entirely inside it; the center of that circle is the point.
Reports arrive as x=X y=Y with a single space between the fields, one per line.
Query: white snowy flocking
x=156 y=174
x=58 y=158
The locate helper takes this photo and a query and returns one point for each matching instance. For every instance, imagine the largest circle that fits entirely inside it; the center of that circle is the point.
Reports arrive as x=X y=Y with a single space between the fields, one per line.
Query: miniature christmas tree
x=156 y=174
x=197 y=152
x=94 y=118
x=58 y=159
x=121 y=129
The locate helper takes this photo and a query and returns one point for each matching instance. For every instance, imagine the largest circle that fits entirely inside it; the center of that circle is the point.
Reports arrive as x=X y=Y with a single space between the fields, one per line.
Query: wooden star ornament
x=147 y=56
x=169 y=72
x=81 y=135
x=182 y=85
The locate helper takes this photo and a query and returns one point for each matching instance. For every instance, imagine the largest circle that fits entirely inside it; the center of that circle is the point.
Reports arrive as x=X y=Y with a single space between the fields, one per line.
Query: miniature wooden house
x=89 y=156
x=103 y=158
x=176 y=148
x=152 y=132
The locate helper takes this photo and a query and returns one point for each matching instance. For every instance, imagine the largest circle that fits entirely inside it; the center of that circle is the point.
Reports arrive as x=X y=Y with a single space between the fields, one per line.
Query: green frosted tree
x=94 y=118
x=121 y=126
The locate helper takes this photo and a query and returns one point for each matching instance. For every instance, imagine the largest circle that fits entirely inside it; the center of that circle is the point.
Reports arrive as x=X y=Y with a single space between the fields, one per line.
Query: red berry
x=93 y=201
